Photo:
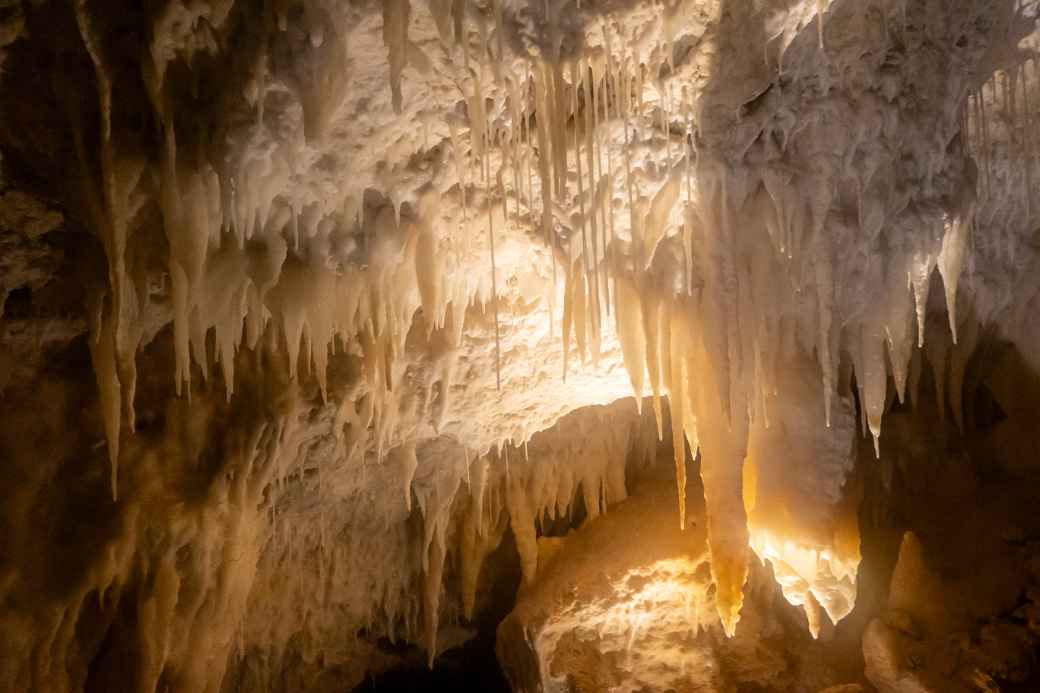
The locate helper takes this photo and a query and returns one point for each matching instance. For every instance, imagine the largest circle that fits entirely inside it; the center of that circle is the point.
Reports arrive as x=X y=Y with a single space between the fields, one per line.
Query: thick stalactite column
x=831 y=183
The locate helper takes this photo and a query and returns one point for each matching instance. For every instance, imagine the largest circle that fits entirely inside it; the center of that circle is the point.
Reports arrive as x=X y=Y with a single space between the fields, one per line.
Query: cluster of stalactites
x=720 y=352
x=708 y=309
x=616 y=266
x=283 y=285
x=182 y=570
x=247 y=264
x=999 y=119
x=425 y=573
x=713 y=298
x=243 y=260
x=801 y=495
x=711 y=281
x=467 y=506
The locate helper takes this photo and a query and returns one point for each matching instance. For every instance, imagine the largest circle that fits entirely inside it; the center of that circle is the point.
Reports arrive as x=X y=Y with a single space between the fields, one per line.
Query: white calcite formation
x=628 y=604
x=351 y=262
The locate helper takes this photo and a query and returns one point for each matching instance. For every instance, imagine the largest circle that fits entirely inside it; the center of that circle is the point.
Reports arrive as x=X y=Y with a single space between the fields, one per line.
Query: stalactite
x=396 y=16
x=589 y=109
x=586 y=248
x=1027 y=134
x=494 y=290
x=986 y=150
x=743 y=316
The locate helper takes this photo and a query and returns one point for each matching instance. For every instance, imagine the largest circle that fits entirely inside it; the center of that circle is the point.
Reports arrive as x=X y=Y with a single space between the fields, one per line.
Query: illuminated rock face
x=948 y=598
x=298 y=294
x=628 y=604
x=801 y=500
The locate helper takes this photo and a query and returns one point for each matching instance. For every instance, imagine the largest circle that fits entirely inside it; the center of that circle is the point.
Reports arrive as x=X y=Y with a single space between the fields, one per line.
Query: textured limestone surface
x=627 y=604
x=309 y=306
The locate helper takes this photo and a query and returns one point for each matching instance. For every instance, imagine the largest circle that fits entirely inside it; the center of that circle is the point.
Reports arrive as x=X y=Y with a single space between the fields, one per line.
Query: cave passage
x=529 y=345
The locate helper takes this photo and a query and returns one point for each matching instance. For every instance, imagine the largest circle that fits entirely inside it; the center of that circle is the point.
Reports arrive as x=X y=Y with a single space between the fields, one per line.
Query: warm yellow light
x=811 y=575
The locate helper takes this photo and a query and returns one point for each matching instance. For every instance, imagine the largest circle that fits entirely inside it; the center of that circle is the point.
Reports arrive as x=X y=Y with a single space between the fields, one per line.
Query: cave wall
x=295 y=294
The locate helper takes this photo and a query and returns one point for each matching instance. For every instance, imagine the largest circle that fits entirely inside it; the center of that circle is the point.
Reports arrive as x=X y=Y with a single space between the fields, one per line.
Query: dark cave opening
x=473 y=665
